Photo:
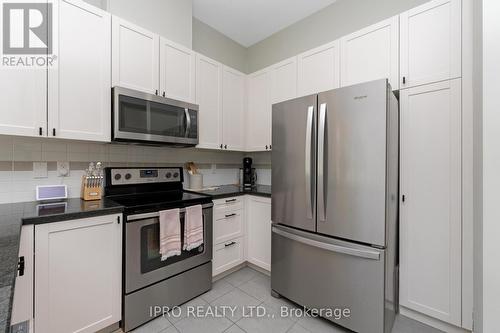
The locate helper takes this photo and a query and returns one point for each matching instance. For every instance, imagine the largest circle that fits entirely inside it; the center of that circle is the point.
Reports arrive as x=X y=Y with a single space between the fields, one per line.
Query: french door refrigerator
x=334 y=204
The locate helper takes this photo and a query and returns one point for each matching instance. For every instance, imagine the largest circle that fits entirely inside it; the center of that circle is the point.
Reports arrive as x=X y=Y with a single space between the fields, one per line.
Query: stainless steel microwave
x=139 y=117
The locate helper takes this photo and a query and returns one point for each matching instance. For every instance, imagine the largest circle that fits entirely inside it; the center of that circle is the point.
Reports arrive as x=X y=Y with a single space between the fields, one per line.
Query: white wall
x=491 y=166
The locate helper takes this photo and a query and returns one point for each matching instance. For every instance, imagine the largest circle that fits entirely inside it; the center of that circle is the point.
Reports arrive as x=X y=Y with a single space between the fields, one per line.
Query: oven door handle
x=157 y=214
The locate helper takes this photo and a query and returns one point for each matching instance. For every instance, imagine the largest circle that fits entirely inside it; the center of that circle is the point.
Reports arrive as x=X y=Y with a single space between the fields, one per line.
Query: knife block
x=91 y=189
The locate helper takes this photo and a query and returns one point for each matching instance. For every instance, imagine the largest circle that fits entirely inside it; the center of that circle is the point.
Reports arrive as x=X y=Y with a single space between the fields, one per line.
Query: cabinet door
x=284 y=80
x=233 y=107
x=22 y=309
x=177 y=71
x=258 y=113
x=24 y=101
x=228 y=255
x=431 y=43
x=371 y=54
x=78 y=275
x=259 y=231
x=431 y=208
x=80 y=86
x=209 y=99
x=319 y=69
x=136 y=57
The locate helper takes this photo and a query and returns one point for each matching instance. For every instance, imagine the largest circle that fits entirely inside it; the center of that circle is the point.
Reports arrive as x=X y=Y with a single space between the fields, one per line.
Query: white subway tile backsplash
x=17 y=154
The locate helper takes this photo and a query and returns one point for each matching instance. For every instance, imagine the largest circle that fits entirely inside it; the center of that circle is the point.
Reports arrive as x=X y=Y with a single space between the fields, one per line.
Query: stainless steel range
x=147 y=280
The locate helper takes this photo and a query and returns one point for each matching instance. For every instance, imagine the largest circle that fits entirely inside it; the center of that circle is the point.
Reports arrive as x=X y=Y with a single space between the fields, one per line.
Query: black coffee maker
x=249 y=177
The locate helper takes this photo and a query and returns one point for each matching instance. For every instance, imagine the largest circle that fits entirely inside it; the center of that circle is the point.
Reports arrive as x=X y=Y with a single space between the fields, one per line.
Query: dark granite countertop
x=13 y=216
x=224 y=191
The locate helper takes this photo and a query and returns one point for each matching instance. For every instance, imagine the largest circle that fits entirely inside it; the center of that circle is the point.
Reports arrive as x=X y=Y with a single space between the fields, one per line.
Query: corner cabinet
x=78 y=274
x=319 y=69
x=258 y=113
x=371 y=54
x=431 y=44
x=258 y=221
x=177 y=71
x=430 y=206
x=136 y=57
x=79 y=86
x=233 y=109
x=209 y=99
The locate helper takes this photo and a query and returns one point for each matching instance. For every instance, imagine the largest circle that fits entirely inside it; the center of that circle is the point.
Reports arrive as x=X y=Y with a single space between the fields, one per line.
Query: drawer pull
x=231 y=200
x=229 y=244
x=230 y=215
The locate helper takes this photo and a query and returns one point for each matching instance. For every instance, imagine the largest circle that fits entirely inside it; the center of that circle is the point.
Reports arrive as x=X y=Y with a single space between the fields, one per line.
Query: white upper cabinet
x=177 y=71
x=431 y=43
x=24 y=101
x=136 y=62
x=430 y=214
x=284 y=80
x=258 y=113
x=319 y=69
x=371 y=54
x=78 y=274
x=233 y=109
x=209 y=99
x=79 y=87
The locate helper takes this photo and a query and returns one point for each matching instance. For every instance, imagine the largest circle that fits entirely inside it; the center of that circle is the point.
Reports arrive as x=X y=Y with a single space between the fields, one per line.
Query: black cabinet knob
x=221 y=146
x=266 y=147
x=225 y=146
x=163 y=94
x=156 y=92
x=270 y=146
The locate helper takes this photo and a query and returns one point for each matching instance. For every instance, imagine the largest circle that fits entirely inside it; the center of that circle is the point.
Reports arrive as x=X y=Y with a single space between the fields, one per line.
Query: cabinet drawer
x=227 y=255
x=231 y=203
x=227 y=225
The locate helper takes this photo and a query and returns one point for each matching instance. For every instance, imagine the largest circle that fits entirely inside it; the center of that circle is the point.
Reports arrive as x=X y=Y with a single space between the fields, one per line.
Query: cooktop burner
x=149 y=189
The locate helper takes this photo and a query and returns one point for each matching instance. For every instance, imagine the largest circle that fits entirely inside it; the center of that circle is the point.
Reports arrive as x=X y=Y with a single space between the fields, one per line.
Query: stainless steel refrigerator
x=334 y=204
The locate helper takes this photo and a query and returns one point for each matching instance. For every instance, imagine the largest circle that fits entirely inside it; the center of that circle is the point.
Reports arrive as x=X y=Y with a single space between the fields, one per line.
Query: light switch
x=62 y=169
x=40 y=170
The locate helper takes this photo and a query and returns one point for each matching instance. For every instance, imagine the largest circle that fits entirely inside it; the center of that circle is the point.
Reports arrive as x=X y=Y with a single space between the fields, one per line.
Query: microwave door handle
x=188 y=122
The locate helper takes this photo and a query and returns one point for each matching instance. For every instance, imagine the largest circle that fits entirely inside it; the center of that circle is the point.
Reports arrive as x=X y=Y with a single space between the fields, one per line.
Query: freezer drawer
x=319 y=272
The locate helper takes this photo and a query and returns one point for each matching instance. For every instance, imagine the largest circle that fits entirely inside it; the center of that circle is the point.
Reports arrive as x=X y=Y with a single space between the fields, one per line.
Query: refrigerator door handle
x=308 y=161
x=366 y=254
x=321 y=163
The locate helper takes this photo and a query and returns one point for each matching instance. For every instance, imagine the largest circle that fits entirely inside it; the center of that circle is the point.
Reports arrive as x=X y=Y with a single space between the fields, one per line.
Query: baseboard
x=237 y=268
x=433 y=322
x=114 y=328
x=259 y=269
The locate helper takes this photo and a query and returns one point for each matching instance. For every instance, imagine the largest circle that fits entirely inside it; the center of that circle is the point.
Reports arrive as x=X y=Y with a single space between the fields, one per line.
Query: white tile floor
x=248 y=287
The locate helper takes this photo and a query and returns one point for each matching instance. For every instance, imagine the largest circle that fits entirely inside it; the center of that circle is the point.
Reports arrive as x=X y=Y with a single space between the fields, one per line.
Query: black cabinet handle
x=404 y=79
x=221 y=146
x=229 y=244
x=270 y=147
x=230 y=215
x=266 y=147
x=225 y=146
x=53 y=132
x=40 y=131
x=163 y=94
x=231 y=200
x=118 y=219
x=20 y=266
x=403 y=198
x=156 y=92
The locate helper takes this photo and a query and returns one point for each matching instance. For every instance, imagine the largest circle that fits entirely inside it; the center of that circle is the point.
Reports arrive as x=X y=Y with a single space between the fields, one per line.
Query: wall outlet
x=62 y=169
x=40 y=170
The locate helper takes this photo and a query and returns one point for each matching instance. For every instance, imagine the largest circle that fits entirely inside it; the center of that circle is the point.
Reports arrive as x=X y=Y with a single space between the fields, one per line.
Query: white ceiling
x=250 y=21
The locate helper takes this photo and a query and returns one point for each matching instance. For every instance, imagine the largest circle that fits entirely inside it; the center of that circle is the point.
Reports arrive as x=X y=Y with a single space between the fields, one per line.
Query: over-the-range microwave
x=139 y=117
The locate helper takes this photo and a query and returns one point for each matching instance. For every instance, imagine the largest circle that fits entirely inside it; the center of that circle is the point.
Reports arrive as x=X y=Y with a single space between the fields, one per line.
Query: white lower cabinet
x=22 y=309
x=430 y=209
x=228 y=255
x=78 y=274
x=258 y=221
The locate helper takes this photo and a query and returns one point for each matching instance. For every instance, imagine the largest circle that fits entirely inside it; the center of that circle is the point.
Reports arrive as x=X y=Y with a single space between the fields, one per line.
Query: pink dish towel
x=170 y=233
x=193 y=227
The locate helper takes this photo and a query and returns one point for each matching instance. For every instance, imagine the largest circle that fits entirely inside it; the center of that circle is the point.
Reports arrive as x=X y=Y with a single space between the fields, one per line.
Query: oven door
x=143 y=264
x=138 y=116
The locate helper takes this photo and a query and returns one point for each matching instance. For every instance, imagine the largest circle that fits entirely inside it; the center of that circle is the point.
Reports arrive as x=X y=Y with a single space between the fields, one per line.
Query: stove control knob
x=128 y=176
x=118 y=176
x=176 y=174
x=168 y=175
